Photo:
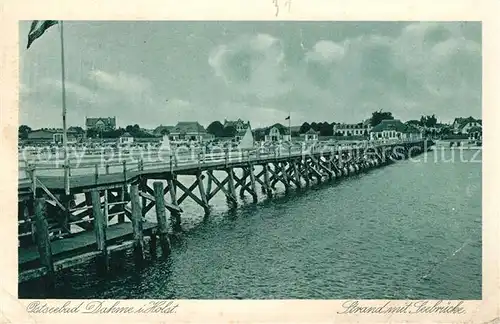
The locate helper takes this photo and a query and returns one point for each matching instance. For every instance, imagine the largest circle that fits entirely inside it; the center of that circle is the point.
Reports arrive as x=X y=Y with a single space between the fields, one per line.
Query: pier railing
x=109 y=162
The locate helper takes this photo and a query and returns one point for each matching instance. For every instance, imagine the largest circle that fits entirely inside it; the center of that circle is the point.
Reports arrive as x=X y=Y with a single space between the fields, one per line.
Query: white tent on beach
x=165 y=143
x=247 y=140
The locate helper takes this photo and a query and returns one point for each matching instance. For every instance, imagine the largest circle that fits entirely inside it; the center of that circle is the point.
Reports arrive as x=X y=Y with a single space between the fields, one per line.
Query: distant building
x=475 y=133
x=463 y=125
x=277 y=133
x=311 y=135
x=394 y=129
x=188 y=131
x=162 y=130
x=359 y=129
x=52 y=136
x=101 y=124
x=239 y=125
x=126 y=138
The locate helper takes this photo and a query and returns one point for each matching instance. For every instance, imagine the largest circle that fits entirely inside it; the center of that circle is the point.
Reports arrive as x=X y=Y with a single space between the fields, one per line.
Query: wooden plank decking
x=79 y=241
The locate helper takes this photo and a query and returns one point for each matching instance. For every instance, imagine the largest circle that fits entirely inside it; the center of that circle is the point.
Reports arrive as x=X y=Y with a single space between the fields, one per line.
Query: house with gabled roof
x=126 y=138
x=359 y=129
x=240 y=125
x=102 y=124
x=52 y=136
x=463 y=125
x=311 y=135
x=277 y=133
x=475 y=133
x=394 y=129
x=188 y=131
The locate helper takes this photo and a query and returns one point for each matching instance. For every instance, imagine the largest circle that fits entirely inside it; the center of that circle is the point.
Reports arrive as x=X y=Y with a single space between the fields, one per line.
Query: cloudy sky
x=154 y=73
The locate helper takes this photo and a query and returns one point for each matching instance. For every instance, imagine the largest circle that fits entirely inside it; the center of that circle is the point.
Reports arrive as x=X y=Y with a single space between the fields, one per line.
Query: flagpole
x=65 y=135
x=290 y=125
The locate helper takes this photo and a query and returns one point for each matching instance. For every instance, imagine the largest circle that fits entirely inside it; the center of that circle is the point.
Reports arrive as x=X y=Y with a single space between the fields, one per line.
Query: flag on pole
x=38 y=27
x=288 y=118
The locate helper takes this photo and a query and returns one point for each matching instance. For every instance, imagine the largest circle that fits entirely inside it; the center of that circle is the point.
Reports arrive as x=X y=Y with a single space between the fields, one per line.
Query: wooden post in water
x=137 y=224
x=232 y=190
x=306 y=172
x=296 y=174
x=161 y=217
x=252 y=183
x=203 y=195
x=282 y=167
x=243 y=182
x=175 y=216
x=43 y=240
x=209 y=186
x=266 y=181
x=100 y=230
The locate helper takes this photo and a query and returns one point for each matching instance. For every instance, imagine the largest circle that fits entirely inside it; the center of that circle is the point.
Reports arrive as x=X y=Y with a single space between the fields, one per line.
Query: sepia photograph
x=261 y=160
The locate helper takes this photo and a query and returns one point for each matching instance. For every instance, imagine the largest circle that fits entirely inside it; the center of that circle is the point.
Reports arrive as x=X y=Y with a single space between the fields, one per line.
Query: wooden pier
x=56 y=232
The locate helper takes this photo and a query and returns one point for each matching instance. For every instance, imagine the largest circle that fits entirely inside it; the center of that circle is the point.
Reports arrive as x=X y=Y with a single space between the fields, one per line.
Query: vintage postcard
x=276 y=161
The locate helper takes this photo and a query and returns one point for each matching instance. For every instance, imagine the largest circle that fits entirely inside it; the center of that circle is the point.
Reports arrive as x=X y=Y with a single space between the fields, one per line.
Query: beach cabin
x=394 y=130
x=311 y=135
x=277 y=133
x=463 y=125
x=126 y=138
x=188 y=131
x=51 y=135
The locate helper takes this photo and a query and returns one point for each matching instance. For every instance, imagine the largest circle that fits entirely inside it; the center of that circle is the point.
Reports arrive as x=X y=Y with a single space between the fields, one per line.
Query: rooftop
x=188 y=127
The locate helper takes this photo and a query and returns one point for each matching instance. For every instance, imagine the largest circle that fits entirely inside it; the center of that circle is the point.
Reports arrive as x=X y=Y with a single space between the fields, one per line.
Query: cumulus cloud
x=252 y=65
x=427 y=68
x=325 y=52
x=121 y=82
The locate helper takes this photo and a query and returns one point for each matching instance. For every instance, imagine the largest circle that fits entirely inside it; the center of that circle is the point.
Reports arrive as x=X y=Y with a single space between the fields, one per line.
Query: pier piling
x=161 y=217
x=137 y=224
x=252 y=183
x=100 y=230
x=203 y=196
x=267 y=184
x=175 y=216
x=43 y=240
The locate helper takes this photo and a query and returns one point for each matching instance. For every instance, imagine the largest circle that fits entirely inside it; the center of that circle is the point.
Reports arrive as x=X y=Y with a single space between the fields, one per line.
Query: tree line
x=133 y=130
x=218 y=130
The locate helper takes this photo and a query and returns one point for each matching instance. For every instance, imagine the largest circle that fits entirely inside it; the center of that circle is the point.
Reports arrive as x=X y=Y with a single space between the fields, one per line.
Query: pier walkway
x=56 y=231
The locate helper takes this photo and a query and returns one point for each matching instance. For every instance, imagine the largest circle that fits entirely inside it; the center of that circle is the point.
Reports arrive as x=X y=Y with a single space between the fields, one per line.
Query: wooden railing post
x=161 y=217
x=100 y=229
x=125 y=171
x=33 y=180
x=43 y=239
x=137 y=224
x=96 y=173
